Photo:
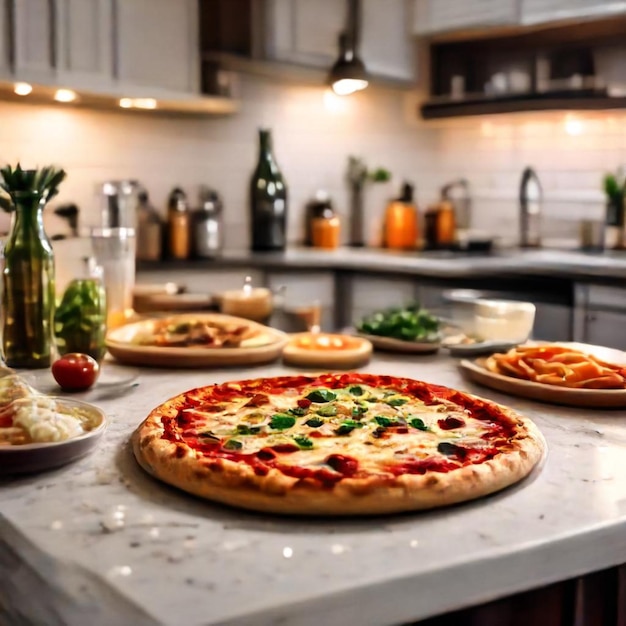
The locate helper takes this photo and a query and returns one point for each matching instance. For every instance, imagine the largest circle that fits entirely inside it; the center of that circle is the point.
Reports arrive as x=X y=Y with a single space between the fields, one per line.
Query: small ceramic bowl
x=504 y=320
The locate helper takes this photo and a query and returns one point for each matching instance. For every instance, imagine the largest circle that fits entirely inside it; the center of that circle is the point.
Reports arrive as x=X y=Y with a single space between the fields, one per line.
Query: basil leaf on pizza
x=321 y=395
x=336 y=444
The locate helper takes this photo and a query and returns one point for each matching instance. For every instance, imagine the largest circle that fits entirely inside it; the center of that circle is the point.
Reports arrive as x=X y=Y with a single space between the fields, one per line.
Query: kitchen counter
x=100 y=542
x=438 y=264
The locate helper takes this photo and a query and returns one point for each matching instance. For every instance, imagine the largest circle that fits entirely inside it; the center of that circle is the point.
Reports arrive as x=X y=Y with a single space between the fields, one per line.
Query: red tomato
x=75 y=371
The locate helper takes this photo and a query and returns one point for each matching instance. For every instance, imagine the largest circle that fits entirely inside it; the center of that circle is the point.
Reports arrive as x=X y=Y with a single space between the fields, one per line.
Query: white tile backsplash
x=314 y=132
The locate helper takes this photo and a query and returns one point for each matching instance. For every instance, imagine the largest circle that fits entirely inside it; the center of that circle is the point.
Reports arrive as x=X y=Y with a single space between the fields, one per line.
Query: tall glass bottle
x=268 y=200
x=27 y=285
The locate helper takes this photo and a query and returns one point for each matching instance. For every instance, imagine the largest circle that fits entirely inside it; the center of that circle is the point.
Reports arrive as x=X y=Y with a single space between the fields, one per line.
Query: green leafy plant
x=359 y=174
x=14 y=180
x=614 y=186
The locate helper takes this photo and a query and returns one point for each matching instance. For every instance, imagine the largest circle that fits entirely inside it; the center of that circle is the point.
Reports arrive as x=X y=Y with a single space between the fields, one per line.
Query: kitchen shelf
x=578 y=100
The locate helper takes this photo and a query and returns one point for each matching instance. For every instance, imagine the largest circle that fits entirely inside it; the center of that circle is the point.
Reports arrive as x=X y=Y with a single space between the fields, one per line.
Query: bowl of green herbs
x=402 y=329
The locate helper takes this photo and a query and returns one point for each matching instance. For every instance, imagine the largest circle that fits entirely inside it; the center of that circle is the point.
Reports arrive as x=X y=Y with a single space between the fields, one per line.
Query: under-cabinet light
x=22 y=89
x=65 y=95
x=138 y=103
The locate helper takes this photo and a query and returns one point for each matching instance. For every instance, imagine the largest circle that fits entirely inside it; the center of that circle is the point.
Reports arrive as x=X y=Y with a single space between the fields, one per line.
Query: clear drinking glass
x=114 y=251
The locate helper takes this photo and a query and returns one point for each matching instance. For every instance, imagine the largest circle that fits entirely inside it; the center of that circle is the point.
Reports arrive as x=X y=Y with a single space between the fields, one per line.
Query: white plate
x=477 y=349
x=112 y=378
x=36 y=457
x=390 y=344
x=553 y=394
x=265 y=347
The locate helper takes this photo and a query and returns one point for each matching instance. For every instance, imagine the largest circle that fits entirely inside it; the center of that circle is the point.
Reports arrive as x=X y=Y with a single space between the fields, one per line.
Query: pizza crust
x=236 y=484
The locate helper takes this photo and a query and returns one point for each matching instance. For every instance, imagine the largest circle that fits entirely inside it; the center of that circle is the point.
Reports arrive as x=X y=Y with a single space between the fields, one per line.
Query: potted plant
x=613 y=185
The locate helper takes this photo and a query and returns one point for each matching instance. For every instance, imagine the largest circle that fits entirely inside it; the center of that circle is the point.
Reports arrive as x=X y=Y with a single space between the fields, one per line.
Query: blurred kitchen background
x=547 y=78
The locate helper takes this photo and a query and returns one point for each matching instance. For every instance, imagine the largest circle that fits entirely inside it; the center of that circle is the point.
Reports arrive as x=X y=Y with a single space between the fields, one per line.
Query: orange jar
x=401 y=229
x=446 y=224
x=325 y=232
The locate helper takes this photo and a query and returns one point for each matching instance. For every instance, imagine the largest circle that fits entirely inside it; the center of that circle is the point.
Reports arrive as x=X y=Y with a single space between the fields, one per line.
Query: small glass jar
x=80 y=318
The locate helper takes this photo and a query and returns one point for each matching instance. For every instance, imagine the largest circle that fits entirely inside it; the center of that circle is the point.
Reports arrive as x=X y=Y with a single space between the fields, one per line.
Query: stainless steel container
x=119 y=208
x=206 y=226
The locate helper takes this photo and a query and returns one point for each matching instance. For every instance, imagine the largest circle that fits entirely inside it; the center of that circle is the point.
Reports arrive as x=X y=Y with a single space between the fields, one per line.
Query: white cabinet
x=5 y=40
x=437 y=16
x=33 y=40
x=601 y=315
x=84 y=43
x=306 y=32
x=606 y=328
x=538 y=11
x=156 y=44
x=387 y=46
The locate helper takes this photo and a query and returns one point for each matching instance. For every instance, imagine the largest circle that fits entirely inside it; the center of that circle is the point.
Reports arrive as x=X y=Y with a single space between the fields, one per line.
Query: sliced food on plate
x=336 y=444
x=40 y=432
x=195 y=340
x=27 y=416
x=568 y=373
x=408 y=329
x=212 y=332
x=560 y=365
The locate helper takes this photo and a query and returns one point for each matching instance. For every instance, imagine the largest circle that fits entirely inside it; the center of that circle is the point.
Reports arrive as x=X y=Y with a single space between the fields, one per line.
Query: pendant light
x=348 y=74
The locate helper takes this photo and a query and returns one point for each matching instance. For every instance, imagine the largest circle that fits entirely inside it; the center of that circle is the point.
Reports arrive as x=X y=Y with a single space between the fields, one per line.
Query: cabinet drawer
x=375 y=294
x=606 y=328
x=601 y=297
x=304 y=289
x=202 y=280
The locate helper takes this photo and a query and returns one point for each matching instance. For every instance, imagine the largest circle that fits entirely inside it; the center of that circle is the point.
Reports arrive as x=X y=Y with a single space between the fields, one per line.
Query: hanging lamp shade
x=348 y=74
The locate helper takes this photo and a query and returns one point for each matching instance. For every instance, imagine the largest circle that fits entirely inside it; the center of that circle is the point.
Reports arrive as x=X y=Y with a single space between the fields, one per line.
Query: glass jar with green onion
x=80 y=317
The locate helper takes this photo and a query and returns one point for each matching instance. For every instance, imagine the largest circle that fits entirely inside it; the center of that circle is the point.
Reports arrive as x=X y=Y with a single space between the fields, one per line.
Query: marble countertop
x=441 y=264
x=100 y=542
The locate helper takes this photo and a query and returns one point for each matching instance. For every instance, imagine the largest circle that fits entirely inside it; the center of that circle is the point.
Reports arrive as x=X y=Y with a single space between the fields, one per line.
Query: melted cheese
x=361 y=443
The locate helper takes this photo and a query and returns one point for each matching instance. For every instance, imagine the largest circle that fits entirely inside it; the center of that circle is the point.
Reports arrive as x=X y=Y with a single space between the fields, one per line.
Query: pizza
x=336 y=444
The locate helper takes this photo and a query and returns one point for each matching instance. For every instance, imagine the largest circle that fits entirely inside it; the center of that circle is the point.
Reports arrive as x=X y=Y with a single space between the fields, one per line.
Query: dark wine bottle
x=268 y=200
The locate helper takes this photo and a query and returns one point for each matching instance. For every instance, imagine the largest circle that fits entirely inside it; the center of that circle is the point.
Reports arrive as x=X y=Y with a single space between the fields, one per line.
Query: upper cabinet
x=433 y=17
x=157 y=44
x=32 y=35
x=84 y=43
x=541 y=11
x=144 y=51
x=304 y=32
x=439 y=16
x=5 y=42
x=387 y=45
x=284 y=34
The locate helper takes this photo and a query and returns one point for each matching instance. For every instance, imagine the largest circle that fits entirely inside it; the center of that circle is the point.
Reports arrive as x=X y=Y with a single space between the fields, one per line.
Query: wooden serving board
x=350 y=357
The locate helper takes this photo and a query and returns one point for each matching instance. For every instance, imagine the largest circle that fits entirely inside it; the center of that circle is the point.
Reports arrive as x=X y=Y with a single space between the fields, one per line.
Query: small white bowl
x=504 y=320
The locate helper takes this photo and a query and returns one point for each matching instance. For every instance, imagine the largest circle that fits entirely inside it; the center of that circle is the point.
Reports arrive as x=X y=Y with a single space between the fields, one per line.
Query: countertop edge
x=574 y=266
x=472 y=580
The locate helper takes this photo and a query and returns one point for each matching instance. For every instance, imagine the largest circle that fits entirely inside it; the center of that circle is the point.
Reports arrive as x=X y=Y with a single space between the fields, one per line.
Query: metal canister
x=207 y=236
